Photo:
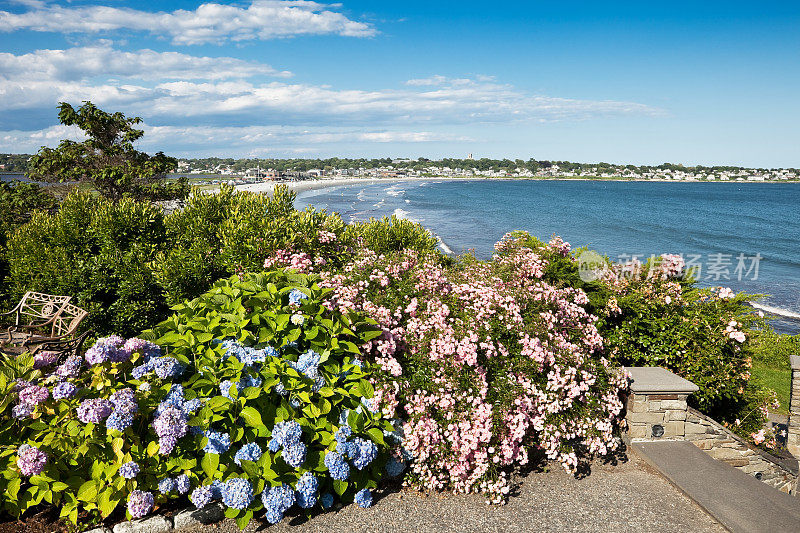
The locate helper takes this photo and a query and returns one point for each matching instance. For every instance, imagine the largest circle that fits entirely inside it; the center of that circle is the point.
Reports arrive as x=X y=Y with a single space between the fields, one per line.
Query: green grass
x=777 y=379
x=771 y=364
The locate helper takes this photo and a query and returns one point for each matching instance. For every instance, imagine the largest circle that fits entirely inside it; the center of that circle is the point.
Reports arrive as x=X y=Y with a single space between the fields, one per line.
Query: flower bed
x=253 y=394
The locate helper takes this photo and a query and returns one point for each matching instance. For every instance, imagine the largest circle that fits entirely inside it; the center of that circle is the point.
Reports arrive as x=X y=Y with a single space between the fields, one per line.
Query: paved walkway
x=738 y=501
x=629 y=497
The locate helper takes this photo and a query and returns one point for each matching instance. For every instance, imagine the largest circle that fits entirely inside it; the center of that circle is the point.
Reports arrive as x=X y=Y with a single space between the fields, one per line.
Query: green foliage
x=18 y=200
x=82 y=472
x=392 y=234
x=107 y=159
x=98 y=252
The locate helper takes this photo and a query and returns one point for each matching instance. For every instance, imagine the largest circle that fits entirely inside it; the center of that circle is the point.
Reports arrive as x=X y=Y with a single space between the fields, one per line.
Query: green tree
x=106 y=159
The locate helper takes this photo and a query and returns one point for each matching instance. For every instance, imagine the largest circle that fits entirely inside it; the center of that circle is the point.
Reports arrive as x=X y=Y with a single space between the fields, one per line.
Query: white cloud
x=209 y=23
x=80 y=63
x=280 y=103
x=248 y=140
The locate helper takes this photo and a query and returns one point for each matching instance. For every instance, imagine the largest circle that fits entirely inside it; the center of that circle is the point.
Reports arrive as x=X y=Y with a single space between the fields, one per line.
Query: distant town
x=221 y=169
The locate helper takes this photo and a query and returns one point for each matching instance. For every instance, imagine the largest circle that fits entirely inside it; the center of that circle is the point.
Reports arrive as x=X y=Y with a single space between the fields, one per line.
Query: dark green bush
x=97 y=251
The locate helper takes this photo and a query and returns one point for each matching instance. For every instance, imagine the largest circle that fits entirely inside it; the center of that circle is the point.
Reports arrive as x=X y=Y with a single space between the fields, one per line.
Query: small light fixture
x=658 y=431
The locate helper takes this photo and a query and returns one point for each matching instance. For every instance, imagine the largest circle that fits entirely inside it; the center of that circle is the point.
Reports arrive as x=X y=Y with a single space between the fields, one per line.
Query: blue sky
x=688 y=82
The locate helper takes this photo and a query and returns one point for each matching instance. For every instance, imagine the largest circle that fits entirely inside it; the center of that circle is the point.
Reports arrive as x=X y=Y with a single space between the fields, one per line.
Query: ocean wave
x=786 y=313
x=443 y=245
x=394 y=191
x=361 y=196
x=380 y=204
x=408 y=201
x=401 y=213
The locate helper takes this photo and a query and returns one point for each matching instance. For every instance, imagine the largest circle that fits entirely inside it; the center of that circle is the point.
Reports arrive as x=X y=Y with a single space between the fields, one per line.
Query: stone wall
x=656 y=409
x=664 y=413
x=793 y=434
x=726 y=446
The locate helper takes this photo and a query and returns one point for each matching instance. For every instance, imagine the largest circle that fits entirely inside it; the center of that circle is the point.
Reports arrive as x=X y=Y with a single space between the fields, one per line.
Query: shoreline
x=311 y=185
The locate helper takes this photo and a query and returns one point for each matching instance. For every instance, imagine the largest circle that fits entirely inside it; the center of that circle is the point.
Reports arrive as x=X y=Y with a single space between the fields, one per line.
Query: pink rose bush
x=488 y=366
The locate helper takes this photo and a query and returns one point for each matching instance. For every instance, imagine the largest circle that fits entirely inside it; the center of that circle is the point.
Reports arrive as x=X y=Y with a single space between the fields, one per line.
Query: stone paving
x=629 y=497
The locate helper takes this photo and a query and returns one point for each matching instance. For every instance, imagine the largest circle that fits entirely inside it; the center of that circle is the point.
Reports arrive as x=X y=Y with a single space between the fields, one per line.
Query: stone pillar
x=793 y=436
x=656 y=408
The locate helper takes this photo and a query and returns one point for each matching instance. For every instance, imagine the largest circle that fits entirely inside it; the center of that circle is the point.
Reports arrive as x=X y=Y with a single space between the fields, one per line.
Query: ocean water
x=745 y=236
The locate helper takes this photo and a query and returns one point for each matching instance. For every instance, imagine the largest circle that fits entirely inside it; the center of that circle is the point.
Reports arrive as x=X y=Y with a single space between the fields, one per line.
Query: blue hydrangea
x=119 y=420
x=287 y=432
x=326 y=500
x=273 y=445
x=237 y=493
x=318 y=384
x=337 y=466
x=365 y=454
x=167 y=367
x=295 y=403
x=306 y=490
x=226 y=386
x=129 y=470
x=346 y=449
x=251 y=381
x=277 y=500
x=394 y=467
x=216 y=489
x=281 y=389
x=248 y=452
x=308 y=360
x=269 y=351
x=364 y=498
x=201 y=496
x=142 y=370
x=252 y=356
x=294 y=454
x=296 y=296
x=217 y=442
x=183 y=483
x=192 y=405
x=343 y=433
x=166 y=485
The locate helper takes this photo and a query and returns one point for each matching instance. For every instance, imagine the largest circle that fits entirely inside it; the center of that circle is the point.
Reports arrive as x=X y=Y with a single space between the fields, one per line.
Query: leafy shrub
x=19 y=200
x=259 y=391
x=98 y=252
x=485 y=362
x=392 y=234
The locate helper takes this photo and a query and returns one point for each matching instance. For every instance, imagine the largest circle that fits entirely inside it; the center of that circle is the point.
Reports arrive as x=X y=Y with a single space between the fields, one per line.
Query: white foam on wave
x=446 y=249
x=401 y=213
x=776 y=311
x=379 y=204
x=408 y=201
x=394 y=191
x=362 y=195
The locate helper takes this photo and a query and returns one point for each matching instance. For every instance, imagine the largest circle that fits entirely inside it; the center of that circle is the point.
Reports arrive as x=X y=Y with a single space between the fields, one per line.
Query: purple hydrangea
x=64 y=390
x=33 y=394
x=107 y=349
x=94 y=411
x=217 y=442
x=277 y=500
x=166 y=485
x=30 y=460
x=70 y=368
x=337 y=466
x=364 y=498
x=44 y=358
x=306 y=490
x=237 y=493
x=140 y=503
x=183 y=484
x=146 y=348
x=248 y=452
x=129 y=470
x=142 y=370
x=124 y=399
x=23 y=410
x=201 y=496
x=170 y=425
